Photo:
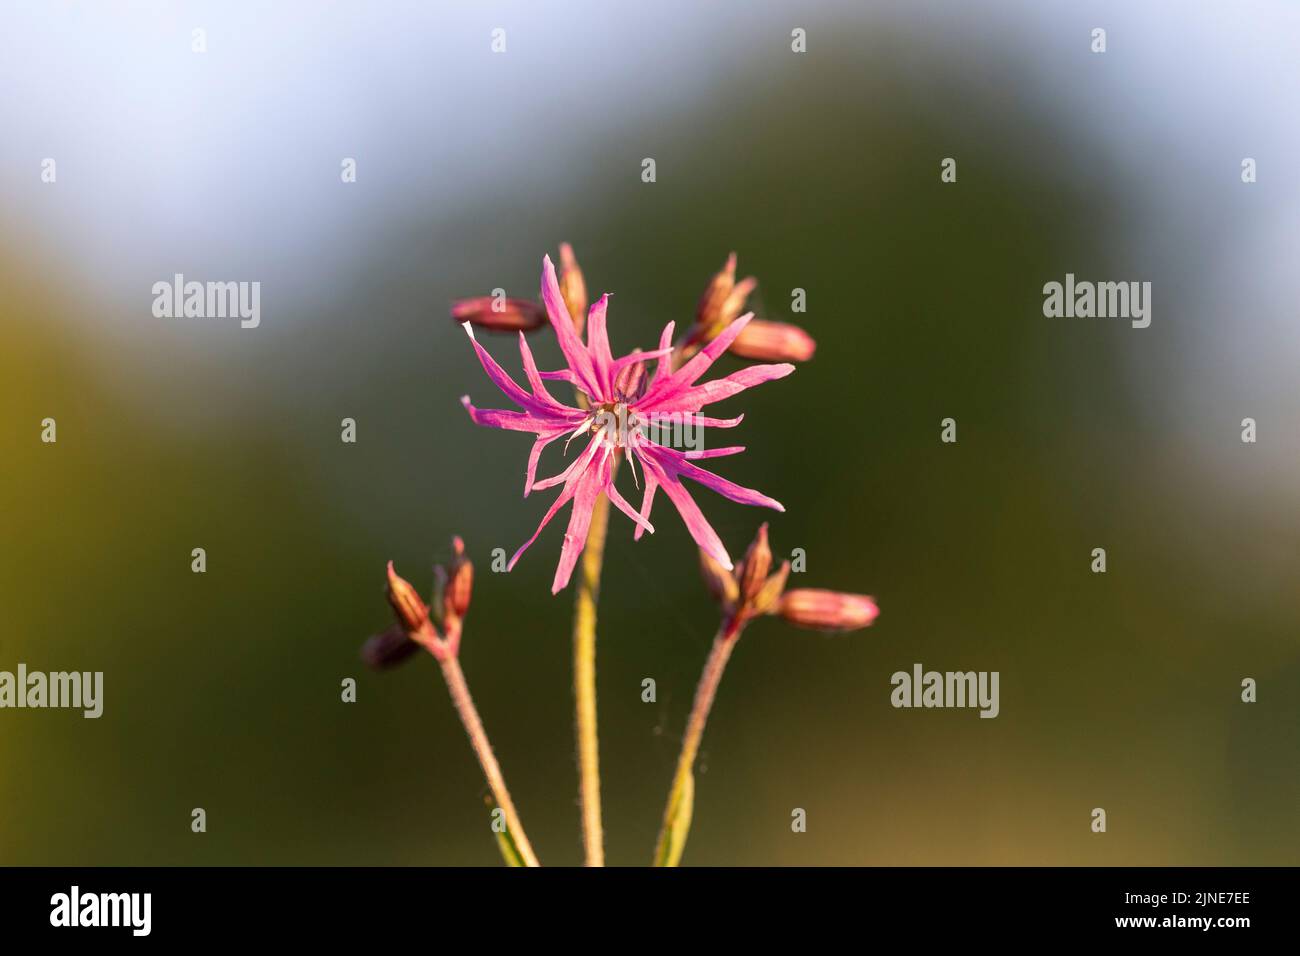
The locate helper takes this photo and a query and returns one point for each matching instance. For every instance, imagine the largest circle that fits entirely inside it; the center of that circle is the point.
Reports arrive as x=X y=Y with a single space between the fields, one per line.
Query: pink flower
x=626 y=413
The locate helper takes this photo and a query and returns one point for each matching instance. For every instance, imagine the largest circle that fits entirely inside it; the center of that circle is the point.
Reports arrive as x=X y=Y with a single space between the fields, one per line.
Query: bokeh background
x=821 y=171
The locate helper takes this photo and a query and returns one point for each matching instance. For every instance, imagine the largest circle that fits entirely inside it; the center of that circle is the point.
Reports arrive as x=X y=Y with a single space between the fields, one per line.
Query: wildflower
x=616 y=422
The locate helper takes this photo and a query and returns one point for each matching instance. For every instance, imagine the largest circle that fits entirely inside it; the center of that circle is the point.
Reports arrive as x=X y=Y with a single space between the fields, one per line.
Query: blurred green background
x=821 y=170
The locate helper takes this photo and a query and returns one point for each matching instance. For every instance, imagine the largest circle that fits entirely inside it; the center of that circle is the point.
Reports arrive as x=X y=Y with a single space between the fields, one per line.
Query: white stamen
x=586 y=423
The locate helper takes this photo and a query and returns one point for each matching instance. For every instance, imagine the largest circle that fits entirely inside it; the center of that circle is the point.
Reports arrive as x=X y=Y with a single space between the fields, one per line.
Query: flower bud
x=388 y=649
x=734 y=304
x=573 y=287
x=410 y=610
x=460 y=582
x=766 y=341
x=768 y=596
x=631 y=381
x=827 y=610
x=498 y=314
x=709 y=311
x=754 y=567
x=720 y=582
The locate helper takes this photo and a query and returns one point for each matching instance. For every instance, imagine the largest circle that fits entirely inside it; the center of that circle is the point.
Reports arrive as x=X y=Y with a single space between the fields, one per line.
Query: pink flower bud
x=499 y=314
x=411 y=611
x=753 y=569
x=766 y=341
x=631 y=381
x=708 y=313
x=827 y=610
x=460 y=582
x=765 y=601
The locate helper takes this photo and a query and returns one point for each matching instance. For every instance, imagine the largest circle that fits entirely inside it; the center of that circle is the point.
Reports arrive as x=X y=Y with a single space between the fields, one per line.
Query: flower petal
x=696 y=523
x=575 y=353
x=714 y=452
x=570 y=487
x=675 y=462
x=689 y=373
x=621 y=503
x=602 y=359
x=633 y=357
x=665 y=367
x=651 y=483
x=593 y=479
x=512 y=420
x=500 y=377
x=543 y=439
x=696 y=397
x=535 y=380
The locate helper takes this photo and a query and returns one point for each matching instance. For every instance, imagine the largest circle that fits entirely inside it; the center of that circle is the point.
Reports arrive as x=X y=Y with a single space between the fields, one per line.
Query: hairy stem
x=478 y=739
x=584 y=682
x=705 y=691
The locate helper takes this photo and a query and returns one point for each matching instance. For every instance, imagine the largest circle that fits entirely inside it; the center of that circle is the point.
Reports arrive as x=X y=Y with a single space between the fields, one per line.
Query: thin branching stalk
x=478 y=739
x=705 y=691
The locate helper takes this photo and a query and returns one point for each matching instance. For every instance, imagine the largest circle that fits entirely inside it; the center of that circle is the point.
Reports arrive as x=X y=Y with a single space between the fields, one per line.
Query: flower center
x=614 y=421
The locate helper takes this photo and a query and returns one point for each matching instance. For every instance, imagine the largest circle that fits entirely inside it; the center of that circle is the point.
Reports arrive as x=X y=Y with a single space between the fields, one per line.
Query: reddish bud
x=460 y=582
x=768 y=596
x=734 y=304
x=388 y=649
x=573 y=287
x=753 y=569
x=709 y=310
x=411 y=611
x=827 y=610
x=631 y=381
x=766 y=341
x=499 y=314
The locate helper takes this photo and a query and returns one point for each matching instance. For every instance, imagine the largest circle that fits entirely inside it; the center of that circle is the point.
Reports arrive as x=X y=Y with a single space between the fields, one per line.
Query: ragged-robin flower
x=625 y=413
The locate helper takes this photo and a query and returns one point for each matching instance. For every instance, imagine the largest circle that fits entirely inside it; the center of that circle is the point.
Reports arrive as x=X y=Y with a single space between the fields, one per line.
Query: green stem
x=478 y=739
x=584 y=682
x=705 y=691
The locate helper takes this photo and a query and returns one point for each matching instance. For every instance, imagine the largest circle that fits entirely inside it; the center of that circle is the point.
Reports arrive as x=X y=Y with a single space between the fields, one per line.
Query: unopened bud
x=769 y=595
x=720 y=582
x=827 y=610
x=734 y=304
x=754 y=568
x=766 y=341
x=630 y=382
x=460 y=582
x=410 y=610
x=573 y=287
x=388 y=649
x=709 y=311
x=499 y=315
